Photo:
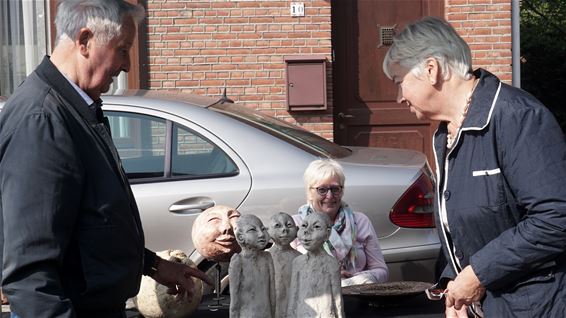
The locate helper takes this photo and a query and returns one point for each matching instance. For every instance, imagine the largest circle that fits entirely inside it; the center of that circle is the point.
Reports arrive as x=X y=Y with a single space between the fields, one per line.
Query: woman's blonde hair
x=320 y=170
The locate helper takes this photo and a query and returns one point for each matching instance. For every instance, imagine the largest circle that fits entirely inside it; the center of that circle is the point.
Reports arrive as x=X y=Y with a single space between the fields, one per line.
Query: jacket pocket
x=540 y=276
x=491 y=172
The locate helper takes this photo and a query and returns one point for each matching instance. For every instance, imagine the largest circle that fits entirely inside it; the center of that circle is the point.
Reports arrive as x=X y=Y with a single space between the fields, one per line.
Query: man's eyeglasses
x=335 y=190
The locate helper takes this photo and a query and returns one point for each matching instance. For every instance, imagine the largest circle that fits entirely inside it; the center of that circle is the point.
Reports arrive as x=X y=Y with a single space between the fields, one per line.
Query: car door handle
x=344 y=116
x=191 y=206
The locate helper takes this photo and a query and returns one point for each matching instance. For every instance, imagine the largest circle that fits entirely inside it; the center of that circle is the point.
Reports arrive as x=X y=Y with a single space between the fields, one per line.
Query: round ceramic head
x=251 y=233
x=282 y=228
x=213 y=233
x=314 y=231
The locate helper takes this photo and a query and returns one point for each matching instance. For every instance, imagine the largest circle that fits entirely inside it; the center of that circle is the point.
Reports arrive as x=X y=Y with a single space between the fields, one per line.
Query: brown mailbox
x=306 y=83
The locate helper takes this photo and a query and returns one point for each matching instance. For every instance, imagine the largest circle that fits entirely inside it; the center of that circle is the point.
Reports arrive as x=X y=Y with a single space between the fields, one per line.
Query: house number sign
x=297 y=9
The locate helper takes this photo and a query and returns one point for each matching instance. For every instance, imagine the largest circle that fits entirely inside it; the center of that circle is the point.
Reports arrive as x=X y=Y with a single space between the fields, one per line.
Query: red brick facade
x=203 y=46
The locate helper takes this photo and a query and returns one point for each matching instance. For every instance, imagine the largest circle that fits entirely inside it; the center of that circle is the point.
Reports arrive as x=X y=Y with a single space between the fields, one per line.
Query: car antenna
x=222 y=100
x=225 y=98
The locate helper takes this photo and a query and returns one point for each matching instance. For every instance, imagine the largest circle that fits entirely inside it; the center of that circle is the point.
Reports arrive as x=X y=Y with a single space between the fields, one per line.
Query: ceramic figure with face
x=315 y=289
x=213 y=233
x=250 y=233
x=252 y=280
x=283 y=231
x=314 y=231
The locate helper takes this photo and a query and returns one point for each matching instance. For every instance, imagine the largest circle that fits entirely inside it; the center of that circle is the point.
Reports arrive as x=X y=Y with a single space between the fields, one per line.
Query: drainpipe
x=516 y=42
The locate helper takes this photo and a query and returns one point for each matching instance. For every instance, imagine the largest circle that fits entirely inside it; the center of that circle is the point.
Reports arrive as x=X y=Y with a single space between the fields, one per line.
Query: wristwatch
x=154 y=266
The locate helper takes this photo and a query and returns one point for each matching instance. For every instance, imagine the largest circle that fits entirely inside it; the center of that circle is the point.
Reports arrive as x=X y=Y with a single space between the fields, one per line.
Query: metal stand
x=218 y=298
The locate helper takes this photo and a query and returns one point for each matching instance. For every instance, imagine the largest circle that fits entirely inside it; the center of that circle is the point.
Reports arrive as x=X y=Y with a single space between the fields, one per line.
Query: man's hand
x=464 y=290
x=178 y=277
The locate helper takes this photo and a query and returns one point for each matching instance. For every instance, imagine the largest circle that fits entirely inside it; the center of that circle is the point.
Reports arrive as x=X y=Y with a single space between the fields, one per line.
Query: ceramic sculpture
x=315 y=289
x=282 y=230
x=213 y=233
x=153 y=301
x=251 y=272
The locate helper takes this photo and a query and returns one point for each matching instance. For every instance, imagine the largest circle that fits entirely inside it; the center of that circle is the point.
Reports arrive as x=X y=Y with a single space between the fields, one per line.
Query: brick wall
x=203 y=46
x=486 y=26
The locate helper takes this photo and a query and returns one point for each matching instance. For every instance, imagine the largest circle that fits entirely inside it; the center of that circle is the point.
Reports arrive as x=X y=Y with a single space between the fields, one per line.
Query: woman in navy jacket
x=501 y=172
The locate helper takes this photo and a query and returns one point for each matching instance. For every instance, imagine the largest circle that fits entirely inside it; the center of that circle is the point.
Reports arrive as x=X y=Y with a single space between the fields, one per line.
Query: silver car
x=185 y=153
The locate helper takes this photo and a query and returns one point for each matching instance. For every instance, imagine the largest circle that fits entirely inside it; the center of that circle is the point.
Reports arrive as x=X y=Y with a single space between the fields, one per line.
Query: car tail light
x=415 y=208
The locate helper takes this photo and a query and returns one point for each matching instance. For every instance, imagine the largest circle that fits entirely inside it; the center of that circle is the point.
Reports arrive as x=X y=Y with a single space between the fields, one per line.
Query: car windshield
x=289 y=133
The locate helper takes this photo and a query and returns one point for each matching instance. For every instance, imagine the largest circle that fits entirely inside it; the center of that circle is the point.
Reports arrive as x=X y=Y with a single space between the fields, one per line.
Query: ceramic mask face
x=314 y=231
x=282 y=229
x=213 y=233
x=251 y=232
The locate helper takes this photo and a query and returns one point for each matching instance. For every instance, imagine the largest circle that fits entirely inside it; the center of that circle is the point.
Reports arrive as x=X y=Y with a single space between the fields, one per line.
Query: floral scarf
x=342 y=235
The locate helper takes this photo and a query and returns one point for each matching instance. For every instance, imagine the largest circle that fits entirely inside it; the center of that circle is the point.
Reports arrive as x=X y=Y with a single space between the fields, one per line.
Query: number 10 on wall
x=297 y=9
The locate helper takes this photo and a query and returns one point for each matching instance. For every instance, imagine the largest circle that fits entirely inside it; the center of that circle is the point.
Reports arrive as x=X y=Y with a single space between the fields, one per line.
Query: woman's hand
x=464 y=290
x=452 y=312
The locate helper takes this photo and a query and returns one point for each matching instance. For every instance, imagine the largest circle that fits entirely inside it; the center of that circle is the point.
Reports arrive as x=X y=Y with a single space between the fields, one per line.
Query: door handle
x=191 y=206
x=344 y=116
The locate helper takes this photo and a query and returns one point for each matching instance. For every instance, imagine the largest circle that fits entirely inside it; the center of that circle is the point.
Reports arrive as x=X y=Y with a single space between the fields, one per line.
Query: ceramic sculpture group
x=264 y=285
x=277 y=283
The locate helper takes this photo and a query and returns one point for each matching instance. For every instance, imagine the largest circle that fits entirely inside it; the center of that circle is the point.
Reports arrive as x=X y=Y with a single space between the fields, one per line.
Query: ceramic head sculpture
x=282 y=229
x=213 y=233
x=250 y=232
x=154 y=301
x=314 y=231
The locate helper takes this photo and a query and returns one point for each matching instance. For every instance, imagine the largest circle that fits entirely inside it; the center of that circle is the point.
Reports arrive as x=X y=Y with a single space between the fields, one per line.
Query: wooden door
x=365 y=109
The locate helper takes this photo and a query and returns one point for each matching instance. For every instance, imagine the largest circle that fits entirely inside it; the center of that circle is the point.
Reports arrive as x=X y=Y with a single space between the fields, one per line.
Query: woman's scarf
x=342 y=235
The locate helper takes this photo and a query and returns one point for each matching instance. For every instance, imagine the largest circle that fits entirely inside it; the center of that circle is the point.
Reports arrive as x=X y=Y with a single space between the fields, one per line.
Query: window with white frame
x=24 y=40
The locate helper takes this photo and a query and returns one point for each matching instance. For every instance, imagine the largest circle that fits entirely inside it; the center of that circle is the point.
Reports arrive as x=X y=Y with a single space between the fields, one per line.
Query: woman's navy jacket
x=502 y=190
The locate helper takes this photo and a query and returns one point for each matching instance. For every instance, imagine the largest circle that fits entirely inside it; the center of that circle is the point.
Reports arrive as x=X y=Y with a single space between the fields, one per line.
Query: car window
x=195 y=156
x=142 y=142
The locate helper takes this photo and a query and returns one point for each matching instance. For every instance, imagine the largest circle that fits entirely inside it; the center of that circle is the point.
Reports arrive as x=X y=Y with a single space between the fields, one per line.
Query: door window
x=152 y=147
x=193 y=156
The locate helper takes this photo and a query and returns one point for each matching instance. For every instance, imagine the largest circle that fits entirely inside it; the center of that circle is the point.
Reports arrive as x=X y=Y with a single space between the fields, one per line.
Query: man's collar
x=84 y=95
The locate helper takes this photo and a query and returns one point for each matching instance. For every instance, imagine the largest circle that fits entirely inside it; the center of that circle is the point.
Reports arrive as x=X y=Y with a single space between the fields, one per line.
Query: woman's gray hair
x=426 y=38
x=103 y=17
x=323 y=169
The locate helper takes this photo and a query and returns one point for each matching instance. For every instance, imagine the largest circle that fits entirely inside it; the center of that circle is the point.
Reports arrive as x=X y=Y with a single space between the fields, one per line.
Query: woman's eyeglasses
x=474 y=310
x=335 y=190
x=435 y=293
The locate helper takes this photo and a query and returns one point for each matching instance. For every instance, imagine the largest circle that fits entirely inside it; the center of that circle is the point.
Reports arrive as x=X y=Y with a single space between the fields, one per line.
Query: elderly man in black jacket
x=72 y=239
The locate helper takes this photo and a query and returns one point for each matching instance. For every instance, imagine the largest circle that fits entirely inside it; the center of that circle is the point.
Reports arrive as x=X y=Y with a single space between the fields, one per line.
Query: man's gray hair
x=426 y=38
x=103 y=17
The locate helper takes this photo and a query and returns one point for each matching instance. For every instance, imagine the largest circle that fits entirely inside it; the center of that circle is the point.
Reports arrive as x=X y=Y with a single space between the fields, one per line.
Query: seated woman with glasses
x=353 y=240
